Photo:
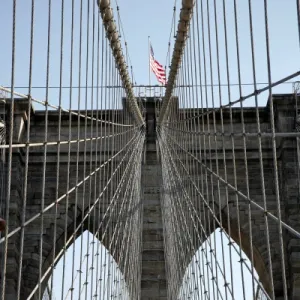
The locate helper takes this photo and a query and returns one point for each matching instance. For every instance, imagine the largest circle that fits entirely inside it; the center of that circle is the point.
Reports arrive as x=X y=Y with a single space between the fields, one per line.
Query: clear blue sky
x=140 y=20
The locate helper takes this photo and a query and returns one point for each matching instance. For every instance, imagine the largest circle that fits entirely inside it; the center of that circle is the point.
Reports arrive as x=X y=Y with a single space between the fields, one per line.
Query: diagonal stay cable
x=273 y=217
x=115 y=197
x=217 y=220
x=70 y=191
x=255 y=93
x=82 y=222
x=47 y=104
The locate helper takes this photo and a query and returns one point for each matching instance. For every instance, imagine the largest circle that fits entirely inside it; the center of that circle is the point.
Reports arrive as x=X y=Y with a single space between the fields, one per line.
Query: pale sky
x=153 y=18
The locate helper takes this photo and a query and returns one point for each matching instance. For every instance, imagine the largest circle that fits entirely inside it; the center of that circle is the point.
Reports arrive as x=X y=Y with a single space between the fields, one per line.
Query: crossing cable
x=259 y=137
x=142 y=85
x=86 y=190
x=190 y=98
x=193 y=210
x=225 y=172
x=241 y=194
x=102 y=177
x=9 y=166
x=79 y=226
x=44 y=152
x=206 y=76
x=132 y=177
x=207 y=237
x=251 y=95
x=79 y=183
x=91 y=162
x=97 y=180
x=65 y=195
x=23 y=217
x=110 y=27
x=121 y=29
x=274 y=148
x=59 y=146
x=53 y=106
x=91 y=154
x=208 y=208
x=183 y=26
x=172 y=30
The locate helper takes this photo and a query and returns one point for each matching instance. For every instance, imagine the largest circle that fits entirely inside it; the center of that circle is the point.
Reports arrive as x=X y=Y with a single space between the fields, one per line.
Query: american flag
x=157 y=68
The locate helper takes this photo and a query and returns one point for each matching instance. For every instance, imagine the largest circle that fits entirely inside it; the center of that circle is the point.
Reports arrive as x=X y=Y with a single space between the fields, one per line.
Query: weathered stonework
x=154 y=282
x=212 y=145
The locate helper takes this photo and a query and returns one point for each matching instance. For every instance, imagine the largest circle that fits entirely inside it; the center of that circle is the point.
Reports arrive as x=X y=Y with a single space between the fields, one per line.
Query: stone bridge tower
x=154 y=284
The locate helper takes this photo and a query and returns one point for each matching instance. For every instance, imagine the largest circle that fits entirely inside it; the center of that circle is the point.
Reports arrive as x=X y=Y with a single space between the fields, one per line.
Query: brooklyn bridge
x=111 y=189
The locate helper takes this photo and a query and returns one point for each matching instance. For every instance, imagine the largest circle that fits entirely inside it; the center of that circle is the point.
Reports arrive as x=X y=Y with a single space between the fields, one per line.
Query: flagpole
x=149 y=64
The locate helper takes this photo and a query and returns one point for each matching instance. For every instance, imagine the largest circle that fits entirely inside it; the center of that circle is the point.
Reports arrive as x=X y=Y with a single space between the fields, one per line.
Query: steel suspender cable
x=86 y=165
x=209 y=180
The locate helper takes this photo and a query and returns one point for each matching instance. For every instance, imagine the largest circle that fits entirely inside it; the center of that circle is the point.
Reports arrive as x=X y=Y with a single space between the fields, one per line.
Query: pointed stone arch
x=206 y=265
x=31 y=275
x=101 y=256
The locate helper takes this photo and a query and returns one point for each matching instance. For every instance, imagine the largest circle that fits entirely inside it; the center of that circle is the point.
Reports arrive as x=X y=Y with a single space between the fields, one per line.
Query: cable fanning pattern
x=71 y=192
x=227 y=170
x=190 y=194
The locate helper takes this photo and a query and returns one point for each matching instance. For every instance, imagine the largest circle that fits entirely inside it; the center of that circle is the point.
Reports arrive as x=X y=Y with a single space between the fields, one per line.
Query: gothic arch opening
x=220 y=269
x=88 y=270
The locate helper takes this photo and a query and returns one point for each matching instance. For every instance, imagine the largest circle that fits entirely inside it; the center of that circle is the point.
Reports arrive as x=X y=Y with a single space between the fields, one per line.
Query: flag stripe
x=157 y=68
x=157 y=73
